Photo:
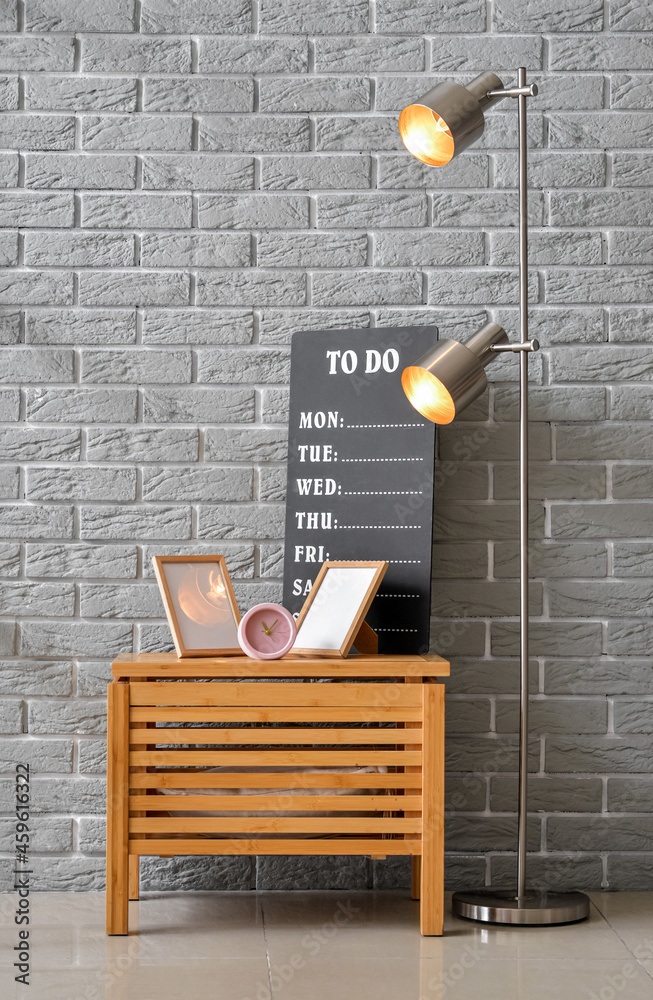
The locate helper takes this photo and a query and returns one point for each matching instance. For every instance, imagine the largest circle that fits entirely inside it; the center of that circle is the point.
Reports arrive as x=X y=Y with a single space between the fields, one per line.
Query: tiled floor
x=322 y=946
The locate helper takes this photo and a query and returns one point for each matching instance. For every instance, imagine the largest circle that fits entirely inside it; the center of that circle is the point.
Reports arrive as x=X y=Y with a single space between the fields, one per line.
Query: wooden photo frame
x=334 y=612
x=200 y=604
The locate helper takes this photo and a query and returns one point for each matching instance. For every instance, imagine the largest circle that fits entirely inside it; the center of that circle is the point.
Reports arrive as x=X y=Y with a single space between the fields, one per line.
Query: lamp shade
x=447 y=119
x=451 y=375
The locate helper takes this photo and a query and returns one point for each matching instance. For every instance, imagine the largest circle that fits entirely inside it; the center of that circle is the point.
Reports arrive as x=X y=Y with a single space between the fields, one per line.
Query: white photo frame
x=334 y=611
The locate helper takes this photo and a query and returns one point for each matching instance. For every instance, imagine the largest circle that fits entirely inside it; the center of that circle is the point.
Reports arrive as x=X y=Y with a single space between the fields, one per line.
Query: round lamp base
x=537 y=907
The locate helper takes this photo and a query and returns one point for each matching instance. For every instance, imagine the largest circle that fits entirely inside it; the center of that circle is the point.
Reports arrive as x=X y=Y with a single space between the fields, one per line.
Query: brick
x=9 y=16
x=136 y=365
x=370 y=53
x=554 y=871
x=36 y=288
x=47 y=53
x=603 y=443
x=254 y=445
x=630 y=795
x=108 y=600
x=628 y=91
x=253 y=54
x=288 y=93
x=26 y=364
x=619 y=520
x=315 y=172
x=197 y=171
x=417 y=16
x=608 y=833
x=495 y=208
x=70 y=170
x=54 y=756
x=487 y=754
x=475 y=521
x=452 y=53
x=8 y=638
x=631 y=169
x=468 y=715
x=552 y=482
x=140 y=132
x=198 y=94
x=81 y=638
x=37 y=521
x=569 y=129
x=352 y=288
x=95 y=15
x=456 y=481
x=401 y=171
x=80 y=560
x=627 y=871
x=488 y=676
x=196 y=483
x=555 y=715
x=471 y=833
x=548 y=248
x=607 y=599
x=201 y=326
x=8 y=249
x=135 y=288
x=147 y=444
x=552 y=169
x=40 y=444
x=494 y=443
x=11 y=716
x=633 y=716
x=272 y=484
x=632 y=402
x=9 y=405
x=9 y=482
x=37 y=131
x=75 y=716
x=553 y=559
x=619 y=364
x=630 y=248
x=92 y=679
x=448 y=287
x=337 y=211
x=198 y=405
x=253 y=366
x=479 y=599
x=79 y=93
x=509 y=15
x=256 y=135
x=276 y=326
x=241 y=521
x=195 y=250
x=8 y=169
x=629 y=638
x=598 y=754
x=357 y=132
x=632 y=559
x=342 y=17
x=80 y=484
x=252 y=211
x=42 y=677
x=548 y=794
x=559 y=403
x=136 y=54
x=138 y=521
x=36 y=209
x=9 y=331
x=77 y=326
x=9 y=559
x=77 y=249
x=632 y=482
x=601 y=52
x=9 y=93
x=630 y=324
x=197 y=16
x=312 y=249
x=274 y=405
x=256 y=288
x=45 y=600
x=271 y=560
x=460 y=559
x=548 y=638
x=410 y=248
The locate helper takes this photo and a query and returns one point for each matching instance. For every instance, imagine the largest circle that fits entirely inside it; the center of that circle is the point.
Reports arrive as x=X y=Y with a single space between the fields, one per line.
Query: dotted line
x=387 y=425
x=383 y=493
x=381 y=459
x=398 y=595
x=404 y=560
x=397 y=630
x=406 y=527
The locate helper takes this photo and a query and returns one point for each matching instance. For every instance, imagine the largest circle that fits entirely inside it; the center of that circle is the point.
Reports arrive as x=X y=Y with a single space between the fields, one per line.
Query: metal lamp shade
x=451 y=375
x=447 y=119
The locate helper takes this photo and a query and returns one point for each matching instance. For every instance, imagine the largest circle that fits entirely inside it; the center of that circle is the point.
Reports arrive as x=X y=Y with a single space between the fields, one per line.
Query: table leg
x=133 y=876
x=432 y=875
x=117 y=894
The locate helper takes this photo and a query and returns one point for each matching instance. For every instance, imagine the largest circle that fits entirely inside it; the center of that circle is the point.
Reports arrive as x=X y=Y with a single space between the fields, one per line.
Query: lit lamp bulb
x=203 y=596
x=426 y=135
x=428 y=395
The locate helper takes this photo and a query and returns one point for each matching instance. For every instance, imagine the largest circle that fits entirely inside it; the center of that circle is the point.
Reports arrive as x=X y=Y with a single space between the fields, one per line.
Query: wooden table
x=272 y=723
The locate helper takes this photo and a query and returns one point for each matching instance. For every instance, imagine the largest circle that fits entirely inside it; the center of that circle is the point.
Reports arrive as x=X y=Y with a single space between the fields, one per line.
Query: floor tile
x=630 y=915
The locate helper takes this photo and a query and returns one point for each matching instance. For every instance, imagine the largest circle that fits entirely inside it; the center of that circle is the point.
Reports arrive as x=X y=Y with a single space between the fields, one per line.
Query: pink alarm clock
x=267 y=632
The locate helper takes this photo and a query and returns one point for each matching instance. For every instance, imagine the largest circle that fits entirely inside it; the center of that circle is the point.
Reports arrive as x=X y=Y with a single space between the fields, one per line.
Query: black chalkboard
x=360 y=473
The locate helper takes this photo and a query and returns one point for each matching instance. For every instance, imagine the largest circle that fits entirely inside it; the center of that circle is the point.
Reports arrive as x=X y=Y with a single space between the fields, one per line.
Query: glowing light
x=203 y=596
x=426 y=135
x=428 y=395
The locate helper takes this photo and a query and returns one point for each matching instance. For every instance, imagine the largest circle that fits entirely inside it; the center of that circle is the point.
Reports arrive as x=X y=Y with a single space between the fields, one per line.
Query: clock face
x=267 y=632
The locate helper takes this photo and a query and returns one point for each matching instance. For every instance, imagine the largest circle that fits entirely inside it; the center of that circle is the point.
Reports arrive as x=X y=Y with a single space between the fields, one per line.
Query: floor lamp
x=440 y=385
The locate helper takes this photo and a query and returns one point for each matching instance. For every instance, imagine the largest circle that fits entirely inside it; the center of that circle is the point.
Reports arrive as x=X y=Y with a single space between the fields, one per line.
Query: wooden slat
x=432 y=870
x=274 y=824
x=274 y=803
x=117 y=896
x=270 y=758
x=269 y=695
x=383 y=713
x=221 y=737
x=313 y=846
x=206 y=779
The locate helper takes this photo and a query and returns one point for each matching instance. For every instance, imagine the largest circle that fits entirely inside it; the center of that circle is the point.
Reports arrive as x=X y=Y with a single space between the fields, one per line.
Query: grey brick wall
x=185 y=184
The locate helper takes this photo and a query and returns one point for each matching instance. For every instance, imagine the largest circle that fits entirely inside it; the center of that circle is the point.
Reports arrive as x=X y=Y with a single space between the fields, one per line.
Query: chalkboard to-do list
x=360 y=473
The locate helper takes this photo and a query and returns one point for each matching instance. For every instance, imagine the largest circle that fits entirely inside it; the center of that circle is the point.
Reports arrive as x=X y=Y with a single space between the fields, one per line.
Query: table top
x=143 y=665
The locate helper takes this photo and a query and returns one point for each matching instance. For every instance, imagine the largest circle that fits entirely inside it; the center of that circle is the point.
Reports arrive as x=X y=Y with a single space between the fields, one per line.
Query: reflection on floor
x=321 y=946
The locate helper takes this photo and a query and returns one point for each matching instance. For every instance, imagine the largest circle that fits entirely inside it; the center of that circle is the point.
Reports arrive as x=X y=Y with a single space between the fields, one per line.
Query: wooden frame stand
x=393 y=721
